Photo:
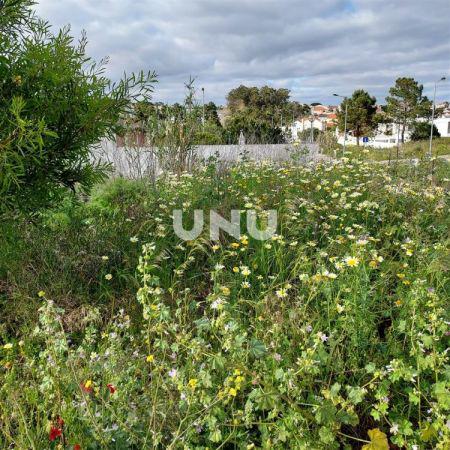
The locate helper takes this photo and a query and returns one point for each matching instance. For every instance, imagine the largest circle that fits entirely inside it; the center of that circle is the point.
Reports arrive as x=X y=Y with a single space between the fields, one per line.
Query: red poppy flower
x=77 y=447
x=111 y=388
x=54 y=433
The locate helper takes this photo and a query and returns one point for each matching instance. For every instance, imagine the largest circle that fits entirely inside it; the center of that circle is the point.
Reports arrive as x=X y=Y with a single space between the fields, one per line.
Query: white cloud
x=313 y=48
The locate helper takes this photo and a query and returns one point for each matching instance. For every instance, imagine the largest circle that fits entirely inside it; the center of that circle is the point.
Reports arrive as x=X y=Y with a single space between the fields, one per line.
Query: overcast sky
x=313 y=48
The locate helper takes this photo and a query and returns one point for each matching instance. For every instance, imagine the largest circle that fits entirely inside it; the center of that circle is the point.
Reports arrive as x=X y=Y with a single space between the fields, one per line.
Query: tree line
x=406 y=106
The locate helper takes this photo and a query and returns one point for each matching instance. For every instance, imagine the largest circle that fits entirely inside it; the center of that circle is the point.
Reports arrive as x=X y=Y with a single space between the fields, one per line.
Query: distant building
x=387 y=135
x=322 y=118
x=443 y=125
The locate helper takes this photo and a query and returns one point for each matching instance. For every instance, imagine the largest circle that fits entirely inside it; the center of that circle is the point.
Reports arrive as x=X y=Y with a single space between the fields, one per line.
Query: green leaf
x=378 y=440
x=257 y=349
x=356 y=394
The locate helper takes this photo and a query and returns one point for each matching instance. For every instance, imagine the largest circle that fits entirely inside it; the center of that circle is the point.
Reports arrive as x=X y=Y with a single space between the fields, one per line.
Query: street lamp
x=432 y=114
x=345 y=120
x=203 y=102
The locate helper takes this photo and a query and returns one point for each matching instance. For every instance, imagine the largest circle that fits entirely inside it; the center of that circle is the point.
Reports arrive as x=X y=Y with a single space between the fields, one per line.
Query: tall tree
x=261 y=112
x=406 y=103
x=55 y=104
x=361 y=113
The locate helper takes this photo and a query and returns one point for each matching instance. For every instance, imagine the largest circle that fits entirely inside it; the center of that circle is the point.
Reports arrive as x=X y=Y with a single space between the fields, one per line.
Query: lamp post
x=203 y=107
x=345 y=120
x=432 y=115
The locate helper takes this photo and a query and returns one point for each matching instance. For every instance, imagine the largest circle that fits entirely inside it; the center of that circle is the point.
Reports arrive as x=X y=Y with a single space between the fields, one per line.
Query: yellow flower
x=232 y=392
x=373 y=264
x=88 y=384
x=8 y=346
x=41 y=294
x=193 y=383
x=108 y=276
x=245 y=271
x=235 y=269
x=398 y=302
x=235 y=245
x=150 y=358
x=244 y=240
x=215 y=247
x=351 y=261
x=105 y=258
x=225 y=291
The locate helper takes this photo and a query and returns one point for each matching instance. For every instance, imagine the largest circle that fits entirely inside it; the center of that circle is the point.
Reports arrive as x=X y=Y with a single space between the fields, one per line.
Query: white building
x=443 y=125
x=387 y=135
x=305 y=124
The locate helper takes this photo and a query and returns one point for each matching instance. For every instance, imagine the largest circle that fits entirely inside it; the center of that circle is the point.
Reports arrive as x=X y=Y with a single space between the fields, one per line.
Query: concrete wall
x=139 y=162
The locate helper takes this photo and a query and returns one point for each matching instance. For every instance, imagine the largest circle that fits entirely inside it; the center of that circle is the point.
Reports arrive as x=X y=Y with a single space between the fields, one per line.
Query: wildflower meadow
x=331 y=334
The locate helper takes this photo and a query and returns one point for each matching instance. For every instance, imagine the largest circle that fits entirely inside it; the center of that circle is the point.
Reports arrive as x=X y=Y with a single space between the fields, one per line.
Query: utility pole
x=203 y=101
x=432 y=116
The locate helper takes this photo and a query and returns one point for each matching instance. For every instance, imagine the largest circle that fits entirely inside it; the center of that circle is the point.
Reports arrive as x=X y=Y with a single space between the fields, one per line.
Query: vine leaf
x=378 y=440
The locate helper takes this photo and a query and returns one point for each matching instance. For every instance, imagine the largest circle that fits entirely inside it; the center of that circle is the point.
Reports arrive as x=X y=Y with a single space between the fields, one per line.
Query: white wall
x=387 y=136
x=443 y=125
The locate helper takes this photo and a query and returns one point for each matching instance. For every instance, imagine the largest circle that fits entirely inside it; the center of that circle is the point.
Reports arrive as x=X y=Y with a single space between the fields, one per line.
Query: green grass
x=332 y=334
x=409 y=150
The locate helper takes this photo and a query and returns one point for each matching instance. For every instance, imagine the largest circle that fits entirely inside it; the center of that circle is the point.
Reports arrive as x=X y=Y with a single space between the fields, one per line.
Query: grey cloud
x=313 y=48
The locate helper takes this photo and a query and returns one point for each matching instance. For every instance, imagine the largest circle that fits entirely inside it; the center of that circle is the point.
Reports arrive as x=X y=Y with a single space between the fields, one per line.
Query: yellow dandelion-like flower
x=41 y=294
x=236 y=269
x=150 y=358
x=193 y=383
x=225 y=291
x=108 y=277
x=232 y=392
x=8 y=346
x=351 y=261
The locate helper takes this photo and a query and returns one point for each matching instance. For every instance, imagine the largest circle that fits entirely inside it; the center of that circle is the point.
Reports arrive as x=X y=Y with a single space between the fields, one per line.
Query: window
x=448 y=127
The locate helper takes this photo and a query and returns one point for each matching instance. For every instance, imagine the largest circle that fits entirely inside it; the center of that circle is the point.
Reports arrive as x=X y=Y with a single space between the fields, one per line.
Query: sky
x=314 y=48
